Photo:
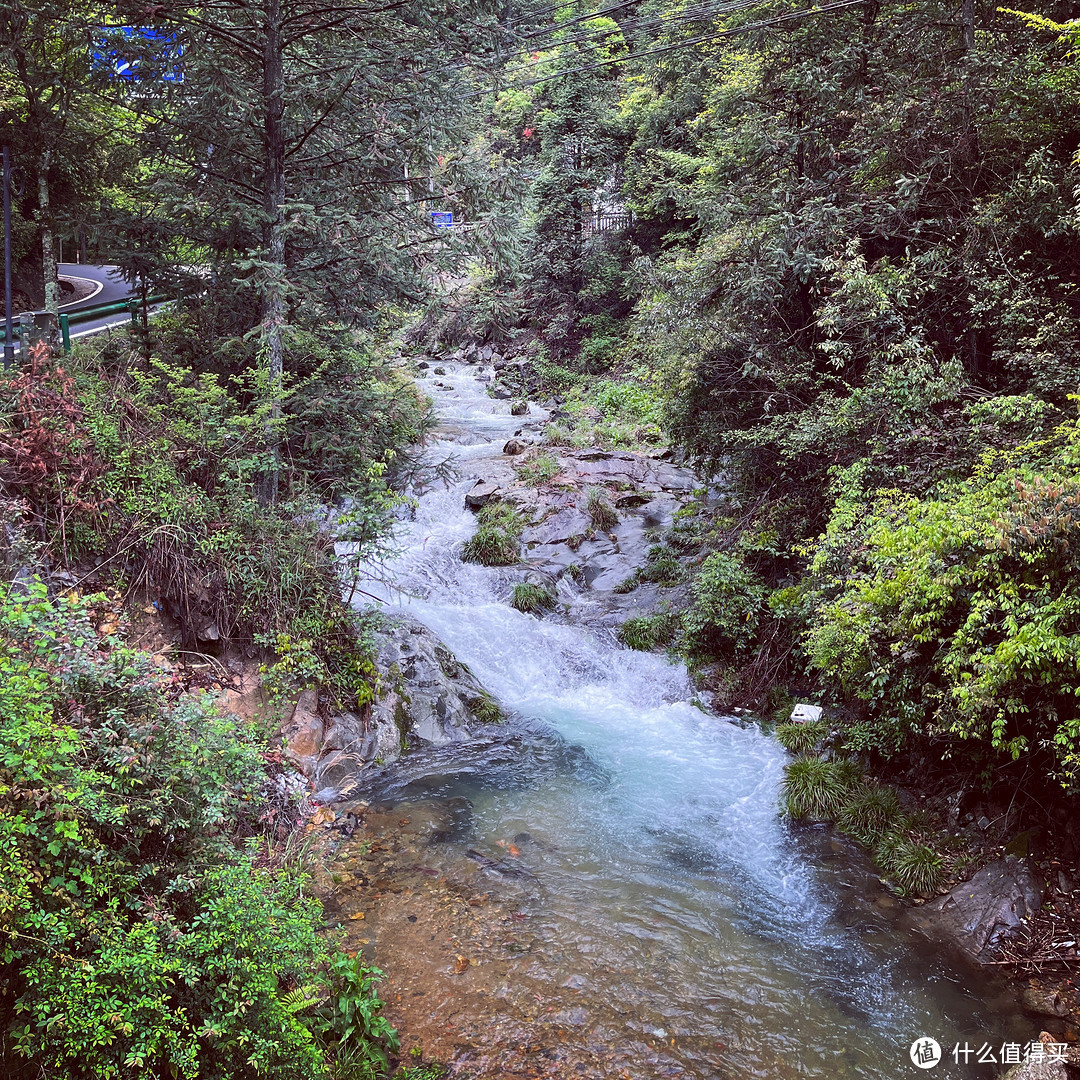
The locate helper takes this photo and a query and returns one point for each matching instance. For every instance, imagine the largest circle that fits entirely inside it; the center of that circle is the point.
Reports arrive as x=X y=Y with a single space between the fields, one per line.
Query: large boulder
x=426 y=698
x=1047 y=1066
x=428 y=694
x=981 y=914
x=480 y=494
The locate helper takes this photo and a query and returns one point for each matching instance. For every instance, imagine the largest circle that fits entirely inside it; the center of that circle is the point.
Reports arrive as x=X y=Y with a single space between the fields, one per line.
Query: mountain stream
x=617 y=894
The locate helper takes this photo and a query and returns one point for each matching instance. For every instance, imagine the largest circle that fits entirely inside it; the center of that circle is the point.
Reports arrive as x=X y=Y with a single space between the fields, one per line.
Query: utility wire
x=580 y=18
x=762 y=25
x=634 y=29
x=630 y=32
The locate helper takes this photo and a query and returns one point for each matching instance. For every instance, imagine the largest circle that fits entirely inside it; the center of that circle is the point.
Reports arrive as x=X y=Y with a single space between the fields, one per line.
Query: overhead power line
x=761 y=25
x=632 y=30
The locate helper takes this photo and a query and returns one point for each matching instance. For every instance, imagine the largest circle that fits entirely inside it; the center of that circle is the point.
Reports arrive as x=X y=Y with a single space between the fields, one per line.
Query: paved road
x=113 y=288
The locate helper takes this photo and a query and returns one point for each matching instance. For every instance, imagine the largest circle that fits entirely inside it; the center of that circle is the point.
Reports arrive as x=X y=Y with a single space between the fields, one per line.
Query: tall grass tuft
x=869 y=813
x=532 y=599
x=599 y=508
x=917 y=868
x=497 y=540
x=816 y=789
x=648 y=631
x=801 y=739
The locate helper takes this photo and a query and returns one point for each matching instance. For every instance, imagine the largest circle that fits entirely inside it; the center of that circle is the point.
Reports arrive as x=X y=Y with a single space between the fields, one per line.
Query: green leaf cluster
x=138 y=935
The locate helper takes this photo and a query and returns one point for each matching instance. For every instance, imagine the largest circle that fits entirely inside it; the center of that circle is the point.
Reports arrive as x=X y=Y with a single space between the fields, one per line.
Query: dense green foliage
x=139 y=933
x=148 y=474
x=956 y=615
x=844 y=278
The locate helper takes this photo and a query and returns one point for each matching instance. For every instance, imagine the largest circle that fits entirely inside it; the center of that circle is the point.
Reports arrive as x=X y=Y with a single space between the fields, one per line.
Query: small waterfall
x=673 y=886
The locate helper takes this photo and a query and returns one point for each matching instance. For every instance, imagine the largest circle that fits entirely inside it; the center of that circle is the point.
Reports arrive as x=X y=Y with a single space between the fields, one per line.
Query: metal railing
x=67 y=319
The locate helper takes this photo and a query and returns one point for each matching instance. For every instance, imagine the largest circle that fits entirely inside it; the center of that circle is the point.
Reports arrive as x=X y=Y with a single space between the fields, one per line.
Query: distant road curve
x=113 y=289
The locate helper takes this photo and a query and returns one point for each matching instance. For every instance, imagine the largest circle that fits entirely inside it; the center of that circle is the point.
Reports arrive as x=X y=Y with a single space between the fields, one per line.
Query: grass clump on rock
x=801 y=739
x=487 y=710
x=662 y=567
x=497 y=540
x=817 y=789
x=869 y=813
x=648 y=631
x=600 y=510
x=539 y=468
x=532 y=599
x=916 y=868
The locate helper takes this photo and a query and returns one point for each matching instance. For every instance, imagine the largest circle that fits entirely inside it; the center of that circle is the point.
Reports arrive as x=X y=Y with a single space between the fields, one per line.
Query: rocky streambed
x=567 y=864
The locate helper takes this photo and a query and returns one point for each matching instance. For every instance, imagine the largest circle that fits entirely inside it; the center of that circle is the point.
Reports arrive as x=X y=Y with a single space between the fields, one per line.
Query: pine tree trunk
x=273 y=300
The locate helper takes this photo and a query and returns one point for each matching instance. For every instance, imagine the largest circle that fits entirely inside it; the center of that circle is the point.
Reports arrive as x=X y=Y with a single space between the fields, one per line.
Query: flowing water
x=677 y=925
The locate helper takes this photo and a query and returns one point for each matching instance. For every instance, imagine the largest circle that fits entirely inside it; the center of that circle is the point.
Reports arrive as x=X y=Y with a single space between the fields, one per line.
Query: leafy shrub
x=497 y=540
x=350 y=1021
x=532 y=599
x=662 y=566
x=801 y=739
x=648 y=631
x=727 y=605
x=956 y=615
x=140 y=937
x=599 y=508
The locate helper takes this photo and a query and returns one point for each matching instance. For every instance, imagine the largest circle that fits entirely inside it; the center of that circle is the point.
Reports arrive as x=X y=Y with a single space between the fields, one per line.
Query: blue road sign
x=442 y=219
x=137 y=53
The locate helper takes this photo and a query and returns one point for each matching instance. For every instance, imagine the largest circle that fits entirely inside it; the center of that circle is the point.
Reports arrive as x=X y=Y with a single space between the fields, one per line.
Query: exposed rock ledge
x=426 y=697
x=981 y=914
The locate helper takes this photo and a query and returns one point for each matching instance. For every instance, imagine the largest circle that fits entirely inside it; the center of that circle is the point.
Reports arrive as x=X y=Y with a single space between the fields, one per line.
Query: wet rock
x=575 y=1017
x=515 y=446
x=637 y=473
x=427 y=698
x=430 y=696
x=423 y=365
x=501 y=392
x=980 y=914
x=1050 y=1068
x=1043 y=1001
x=519 y=408
x=303 y=733
x=439 y=371
x=480 y=494
x=563 y=526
